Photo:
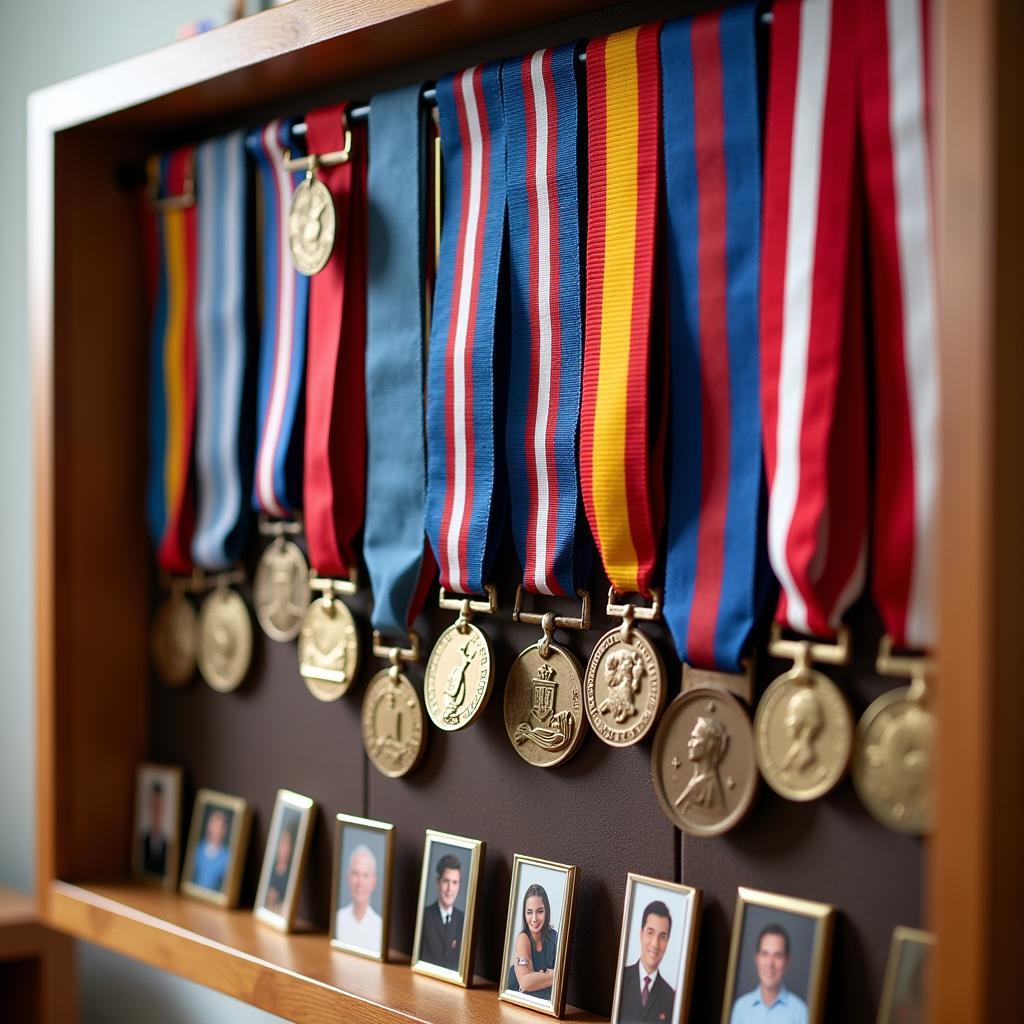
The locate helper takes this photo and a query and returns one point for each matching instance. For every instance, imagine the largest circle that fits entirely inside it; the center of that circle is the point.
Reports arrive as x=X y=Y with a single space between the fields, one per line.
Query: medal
x=225 y=634
x=540 y=100
x=394 y=728
x=463 y=513
x=620 y=450
x=281 y=589
x=329 y=642
x=172 y=410
x=459 y=674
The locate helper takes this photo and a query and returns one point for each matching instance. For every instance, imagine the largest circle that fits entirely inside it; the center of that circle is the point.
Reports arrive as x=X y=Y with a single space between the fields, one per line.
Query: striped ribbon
x=170 y=506
x=541 y=107
x=838 y=69
x=223 y=450
x=619 y=450
x=334 y=487
x=713 y=189
x=278 y=475
x=464 y=428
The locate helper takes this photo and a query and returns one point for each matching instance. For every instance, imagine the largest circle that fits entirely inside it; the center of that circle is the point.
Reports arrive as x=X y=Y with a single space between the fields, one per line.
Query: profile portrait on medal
x=157 y=833
x=778 y=963
x=906 y=988
x=656 y=952
x=362 y=886
x=215 y=857
x=705 y=749
x=804 y=721
x=445 y=917
x=284 y=859
x=537 y=934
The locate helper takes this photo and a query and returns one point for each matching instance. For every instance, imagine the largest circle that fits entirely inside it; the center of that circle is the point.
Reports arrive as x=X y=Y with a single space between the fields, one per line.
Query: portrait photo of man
x=154 y=838
x=441 y=941
x=157 y=824
x=357 y=923
x=770 y=1000
x=645 y=994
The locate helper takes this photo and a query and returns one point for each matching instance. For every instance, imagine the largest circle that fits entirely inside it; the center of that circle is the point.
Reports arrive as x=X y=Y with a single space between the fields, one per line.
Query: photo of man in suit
x=441 y=941
x=645 y=994
x=154 y=839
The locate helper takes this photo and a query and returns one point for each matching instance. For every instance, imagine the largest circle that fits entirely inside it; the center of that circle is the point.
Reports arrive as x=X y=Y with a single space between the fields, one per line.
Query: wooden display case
x=99 y=715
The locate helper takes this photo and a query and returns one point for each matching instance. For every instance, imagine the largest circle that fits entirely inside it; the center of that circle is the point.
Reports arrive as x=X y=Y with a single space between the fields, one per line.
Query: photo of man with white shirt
x=357 y=923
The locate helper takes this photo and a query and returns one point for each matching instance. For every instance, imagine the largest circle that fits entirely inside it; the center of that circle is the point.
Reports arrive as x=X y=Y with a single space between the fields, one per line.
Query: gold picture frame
x=284 y=918
x=171 y=812
x=434 y=841
x=385 y=844
x=236 y=842
x=687 y=928
x=902 y=939
x=822 y=915
x=541 y=871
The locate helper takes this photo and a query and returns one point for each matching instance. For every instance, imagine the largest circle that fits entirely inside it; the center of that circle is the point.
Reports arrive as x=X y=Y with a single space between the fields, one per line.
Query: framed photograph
x=654 y=977
x=361 y=891
x=217 y=841
x=156 y=838
x=906 y=994
x=446 y=915
x=541 y=905
x=780 y=955
x=284 y=860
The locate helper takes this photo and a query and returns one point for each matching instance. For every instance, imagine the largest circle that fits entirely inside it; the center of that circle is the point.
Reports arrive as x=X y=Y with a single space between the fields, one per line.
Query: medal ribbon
x=619 y=448
x=713 y=189
x=170 y=506
x=223 y=451
x=811 y=318
x=464 y=435
x=541 y=107
x=335 y=451
x=278 y=477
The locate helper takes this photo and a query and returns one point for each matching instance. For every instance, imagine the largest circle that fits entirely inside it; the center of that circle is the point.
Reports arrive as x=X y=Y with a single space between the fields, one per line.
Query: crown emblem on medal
x=546 y=672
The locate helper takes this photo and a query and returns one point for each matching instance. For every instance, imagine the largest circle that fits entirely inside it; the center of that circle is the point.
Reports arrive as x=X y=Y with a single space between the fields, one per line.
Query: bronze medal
x=174 y=637
x=544 y=705
x=225 y=639
x=281 y=589
x=311 y=226
x=393 y=723
x=459 y=676
x=328 y=648
x=703 y=765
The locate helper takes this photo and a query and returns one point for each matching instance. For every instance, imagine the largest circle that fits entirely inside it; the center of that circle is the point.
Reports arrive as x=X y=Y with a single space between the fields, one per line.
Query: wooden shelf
x=297 y=976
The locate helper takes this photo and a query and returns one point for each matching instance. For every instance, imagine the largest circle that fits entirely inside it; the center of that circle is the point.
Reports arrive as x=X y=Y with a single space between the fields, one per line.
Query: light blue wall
x=41 y=42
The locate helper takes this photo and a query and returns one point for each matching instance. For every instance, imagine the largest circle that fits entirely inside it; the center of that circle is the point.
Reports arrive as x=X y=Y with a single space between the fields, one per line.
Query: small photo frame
x=156 y=838
x=780 y=952
x=446 y=916
x=361 y=890
x=284 y=860
x=542 y=902
x=906 y=994
x=215 y=858
x=654 y=977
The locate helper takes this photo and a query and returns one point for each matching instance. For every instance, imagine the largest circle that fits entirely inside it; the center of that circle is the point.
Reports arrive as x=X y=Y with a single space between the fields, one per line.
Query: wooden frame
x=305 y=808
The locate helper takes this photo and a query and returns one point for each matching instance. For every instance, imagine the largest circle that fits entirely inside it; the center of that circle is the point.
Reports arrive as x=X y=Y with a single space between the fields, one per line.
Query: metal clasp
x=549 y=621
x=630 y=612
x=311 y=161
x=918 y=668
x=192 y=584
x=225 y=578
x=268 y=527
x=172 y=204
x=803 y=652
x=398 y=656
x=332 y=587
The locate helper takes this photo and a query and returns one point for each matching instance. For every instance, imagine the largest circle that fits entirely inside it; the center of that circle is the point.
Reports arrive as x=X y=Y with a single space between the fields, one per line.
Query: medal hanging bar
x=170 y=504
x=621 y=437
x=281 y=586
x=398 y=559
x=224 y=418
x=540 y=97
x=713 y=584
x=464 y=421
x=328 y=241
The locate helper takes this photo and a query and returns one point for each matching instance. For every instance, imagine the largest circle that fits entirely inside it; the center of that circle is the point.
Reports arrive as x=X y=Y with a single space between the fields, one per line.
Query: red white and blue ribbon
x=224 y=421
x=540 y=95
x=713 y=189
x=278 y=474
x=464 y=425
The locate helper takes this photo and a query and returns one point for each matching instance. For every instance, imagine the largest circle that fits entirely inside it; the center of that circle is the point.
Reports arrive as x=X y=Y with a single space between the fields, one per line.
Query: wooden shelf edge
x=299 y=976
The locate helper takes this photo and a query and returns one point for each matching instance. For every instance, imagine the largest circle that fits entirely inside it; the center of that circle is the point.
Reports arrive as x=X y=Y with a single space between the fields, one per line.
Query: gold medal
x=703 y=765
x=311 y=225
x=225 y=638
x=459 y=676
x=803 y=729
x=624 y=688
x=281 y=589
x=394 y=732
x=329 y=642
x=892 y=758
x=174 y=637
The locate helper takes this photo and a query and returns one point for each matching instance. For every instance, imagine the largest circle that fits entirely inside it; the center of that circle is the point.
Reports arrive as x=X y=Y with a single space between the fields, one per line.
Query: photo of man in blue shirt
x=771 y=1002
x=211 y=863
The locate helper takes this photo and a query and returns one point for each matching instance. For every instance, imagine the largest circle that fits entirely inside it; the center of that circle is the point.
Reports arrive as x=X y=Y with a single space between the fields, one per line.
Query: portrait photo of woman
x=284 y=860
